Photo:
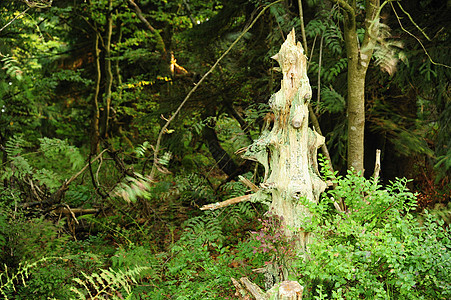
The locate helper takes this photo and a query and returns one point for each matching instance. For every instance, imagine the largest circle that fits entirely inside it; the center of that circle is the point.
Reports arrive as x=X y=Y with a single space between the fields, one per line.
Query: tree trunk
x=288 y=151
x=358 y=61
x=108 y=71
x=96 y=110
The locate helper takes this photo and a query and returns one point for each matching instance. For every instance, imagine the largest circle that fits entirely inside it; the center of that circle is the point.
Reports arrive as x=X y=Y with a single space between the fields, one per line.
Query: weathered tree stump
x=288 y=151
x=286 y=290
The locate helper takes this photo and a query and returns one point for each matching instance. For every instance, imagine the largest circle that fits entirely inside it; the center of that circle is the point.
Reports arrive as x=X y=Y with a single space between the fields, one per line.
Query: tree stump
x=286 y=290
x=288 y=151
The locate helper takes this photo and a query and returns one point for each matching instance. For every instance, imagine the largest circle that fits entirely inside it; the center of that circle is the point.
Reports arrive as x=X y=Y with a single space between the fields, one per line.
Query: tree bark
x=288 y=151
x=108 y=71
x=359 y=57
x=96 y=110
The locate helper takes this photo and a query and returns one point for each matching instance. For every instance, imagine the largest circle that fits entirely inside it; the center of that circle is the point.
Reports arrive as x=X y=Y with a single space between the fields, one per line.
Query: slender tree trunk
x=108 y=71
x=117 y=68
x=359 y=57
x=222 y=158
x=96 y=110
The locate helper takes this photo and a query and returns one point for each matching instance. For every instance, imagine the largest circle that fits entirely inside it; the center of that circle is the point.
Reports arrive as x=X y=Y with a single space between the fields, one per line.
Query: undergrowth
x=157 y=244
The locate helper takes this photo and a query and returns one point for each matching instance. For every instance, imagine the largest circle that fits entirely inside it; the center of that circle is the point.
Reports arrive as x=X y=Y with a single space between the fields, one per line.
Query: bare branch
x=150 y=27
x=228 y=202
x=163 y=129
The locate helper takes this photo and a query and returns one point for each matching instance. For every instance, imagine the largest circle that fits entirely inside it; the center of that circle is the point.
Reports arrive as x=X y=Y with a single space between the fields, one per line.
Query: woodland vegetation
x=121 y=120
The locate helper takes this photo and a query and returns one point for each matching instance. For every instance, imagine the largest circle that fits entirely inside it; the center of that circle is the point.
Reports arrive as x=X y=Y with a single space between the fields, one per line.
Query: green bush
x=376 y=249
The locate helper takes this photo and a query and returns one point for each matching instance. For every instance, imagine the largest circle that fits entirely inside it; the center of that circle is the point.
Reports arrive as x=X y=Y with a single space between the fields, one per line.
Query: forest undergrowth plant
x=114 y=284
x=274 y=244
x=11 y=280
x=377 y=248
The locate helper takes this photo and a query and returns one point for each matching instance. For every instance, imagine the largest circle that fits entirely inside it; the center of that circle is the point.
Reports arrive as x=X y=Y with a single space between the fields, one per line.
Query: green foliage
x=108 y=282
x=26 y=165
x=10 y=280
x=376 y=249
x=11 y=66
x=56 y=149
x=332 y=101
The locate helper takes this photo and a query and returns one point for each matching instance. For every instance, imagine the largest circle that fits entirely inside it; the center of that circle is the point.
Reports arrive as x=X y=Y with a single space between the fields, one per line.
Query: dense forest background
x=103 y=172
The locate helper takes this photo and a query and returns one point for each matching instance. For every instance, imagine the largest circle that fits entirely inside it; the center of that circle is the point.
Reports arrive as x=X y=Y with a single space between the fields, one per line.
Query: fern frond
x=53 y=148
x=16 y=145
x=8 y=281
x=387 y=51
x=332 y=101
x=107 y=283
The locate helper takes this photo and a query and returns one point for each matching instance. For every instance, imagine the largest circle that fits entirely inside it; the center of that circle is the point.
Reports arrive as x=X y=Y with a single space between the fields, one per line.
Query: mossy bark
x=359 y=57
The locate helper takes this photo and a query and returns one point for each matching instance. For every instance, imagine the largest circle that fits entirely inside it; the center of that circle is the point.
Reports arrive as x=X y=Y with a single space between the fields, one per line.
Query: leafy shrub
x=376 y=249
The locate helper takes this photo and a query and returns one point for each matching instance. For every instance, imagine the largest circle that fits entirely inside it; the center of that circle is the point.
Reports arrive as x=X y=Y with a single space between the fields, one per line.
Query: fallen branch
x=254 y=289
x=249 y=184
x=56 y=197
x=74 y=211
x=226 y=202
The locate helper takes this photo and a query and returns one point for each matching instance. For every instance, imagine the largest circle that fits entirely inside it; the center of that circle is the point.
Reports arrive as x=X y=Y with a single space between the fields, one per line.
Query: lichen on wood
x=288 y=151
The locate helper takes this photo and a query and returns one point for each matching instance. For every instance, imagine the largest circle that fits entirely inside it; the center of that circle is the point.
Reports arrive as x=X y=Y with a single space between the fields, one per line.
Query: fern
x=107 y=283
x=332 y=101
x=47 y=178
x=133 y=187
x=16 y=145
x=55 y=148
x=203 y=229
x=141 y=150
x=333 y=39
x=8 y=281
x=387 y=51
x=11 y=66
x=330 y=74
x=315 y=27
x=20 y=167
x=194 y=188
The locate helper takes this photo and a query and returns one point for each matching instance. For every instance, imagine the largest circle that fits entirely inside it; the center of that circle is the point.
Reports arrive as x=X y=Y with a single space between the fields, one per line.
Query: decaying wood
x=377 y=164
x=249 y=184
x=288 y=151
x=241 y=293
x=254 y=289
x=286 y=290
x=226 y=202
x=74 y=211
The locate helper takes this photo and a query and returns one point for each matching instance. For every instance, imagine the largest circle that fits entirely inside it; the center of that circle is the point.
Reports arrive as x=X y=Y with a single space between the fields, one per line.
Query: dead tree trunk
x=288 y=151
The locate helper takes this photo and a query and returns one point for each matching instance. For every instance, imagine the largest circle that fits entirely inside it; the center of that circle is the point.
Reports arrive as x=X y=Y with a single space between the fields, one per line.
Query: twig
x=71 y=212
x=15 y=18
x=140 y=15
x=163 y=129
x=249 y=184
x=320 y=60
x=225 y=203
x=59 y=193
x=418 y=40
